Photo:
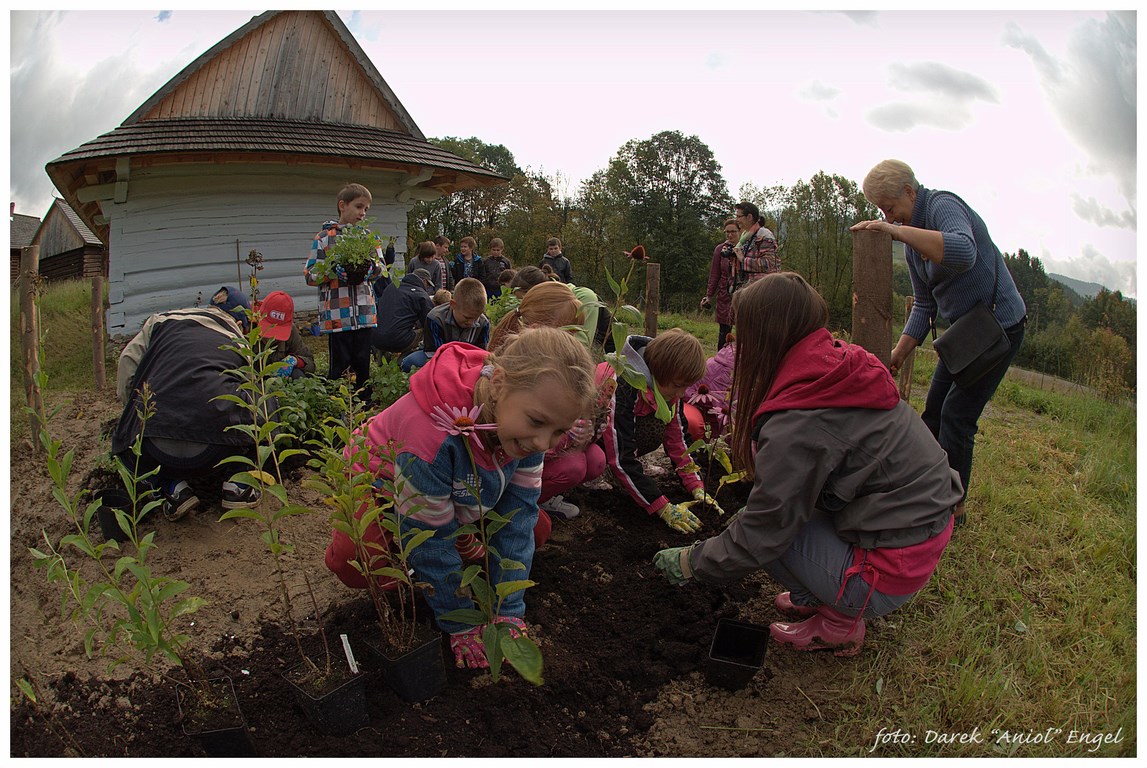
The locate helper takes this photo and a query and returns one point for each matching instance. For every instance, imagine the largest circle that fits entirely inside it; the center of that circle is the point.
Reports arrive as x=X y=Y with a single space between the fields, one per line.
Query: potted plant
x=333 y=697
x=361 y=507
x=130 y=610
x=355 y=251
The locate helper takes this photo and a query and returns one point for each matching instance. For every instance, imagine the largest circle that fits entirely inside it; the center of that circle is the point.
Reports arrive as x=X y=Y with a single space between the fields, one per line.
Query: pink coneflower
x=637 y=254
x=720 y=417
x=460 y=421
x=703 y=398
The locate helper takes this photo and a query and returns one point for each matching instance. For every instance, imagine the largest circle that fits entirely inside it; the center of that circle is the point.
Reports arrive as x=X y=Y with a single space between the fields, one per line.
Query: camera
x=727 y=251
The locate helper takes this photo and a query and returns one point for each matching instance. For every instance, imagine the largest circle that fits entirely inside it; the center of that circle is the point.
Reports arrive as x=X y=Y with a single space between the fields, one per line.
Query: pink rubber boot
x=828 y=630
x=785 y=605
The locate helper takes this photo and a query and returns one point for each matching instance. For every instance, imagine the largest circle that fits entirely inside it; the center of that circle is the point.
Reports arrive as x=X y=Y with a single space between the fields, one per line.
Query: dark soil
x=624 y=652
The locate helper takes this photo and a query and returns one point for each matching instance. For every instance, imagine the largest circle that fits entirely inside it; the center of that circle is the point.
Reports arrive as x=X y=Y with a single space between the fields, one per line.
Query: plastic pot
x=221 y=730
x=417 y=675
x=112 y=499
x=337 y=711
x=736 y=654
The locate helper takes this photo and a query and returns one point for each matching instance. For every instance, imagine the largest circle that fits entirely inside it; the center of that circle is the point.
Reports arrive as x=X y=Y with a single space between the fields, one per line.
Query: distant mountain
x=1086 y=290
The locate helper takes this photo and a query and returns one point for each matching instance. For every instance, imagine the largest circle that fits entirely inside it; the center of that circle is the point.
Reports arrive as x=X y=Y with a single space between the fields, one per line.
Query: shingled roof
x=23 y=229
x=246 y=135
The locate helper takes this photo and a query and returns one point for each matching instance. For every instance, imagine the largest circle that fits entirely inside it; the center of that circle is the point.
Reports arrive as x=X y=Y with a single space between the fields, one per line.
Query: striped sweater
x=967 y=273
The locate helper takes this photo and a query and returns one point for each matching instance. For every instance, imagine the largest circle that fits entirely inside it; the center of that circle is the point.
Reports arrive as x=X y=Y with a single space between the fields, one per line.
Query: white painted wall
x=174 y=237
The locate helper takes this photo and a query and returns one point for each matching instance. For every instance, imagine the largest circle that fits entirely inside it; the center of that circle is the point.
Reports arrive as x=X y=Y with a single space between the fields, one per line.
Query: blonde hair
x=470 y=242
x=470 y=294
x=536 y=359
x=675 y=357
x=550 y=304
x=888 y=180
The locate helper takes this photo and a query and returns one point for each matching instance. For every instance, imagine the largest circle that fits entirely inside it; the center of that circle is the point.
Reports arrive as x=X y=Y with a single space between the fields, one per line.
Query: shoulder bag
x=974 y=344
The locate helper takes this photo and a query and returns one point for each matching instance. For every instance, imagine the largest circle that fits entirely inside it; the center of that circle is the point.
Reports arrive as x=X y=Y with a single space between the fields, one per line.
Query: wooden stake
x=98 y=348
x=652 y=297
x=30 y=339
x=872 y=292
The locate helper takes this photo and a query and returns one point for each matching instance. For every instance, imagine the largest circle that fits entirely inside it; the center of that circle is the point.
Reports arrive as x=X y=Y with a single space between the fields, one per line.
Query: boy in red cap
x=276 y=314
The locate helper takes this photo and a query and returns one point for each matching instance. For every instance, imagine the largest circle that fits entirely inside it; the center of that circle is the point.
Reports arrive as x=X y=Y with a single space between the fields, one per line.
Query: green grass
x=66 y=327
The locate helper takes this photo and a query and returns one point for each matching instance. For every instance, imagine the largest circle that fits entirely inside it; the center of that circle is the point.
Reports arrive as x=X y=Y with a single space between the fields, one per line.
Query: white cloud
x=1093 y=267
x=941 y=80
x=903 y=117
x=1090 y=210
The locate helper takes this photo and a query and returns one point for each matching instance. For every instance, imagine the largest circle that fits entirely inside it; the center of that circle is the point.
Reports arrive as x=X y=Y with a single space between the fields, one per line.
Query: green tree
x=468 y=212
x=673 y=197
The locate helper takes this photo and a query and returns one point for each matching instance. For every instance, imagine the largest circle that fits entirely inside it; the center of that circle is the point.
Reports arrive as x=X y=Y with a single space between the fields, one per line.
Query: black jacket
x=402 y=309
x=561 y=266
x=458 y=268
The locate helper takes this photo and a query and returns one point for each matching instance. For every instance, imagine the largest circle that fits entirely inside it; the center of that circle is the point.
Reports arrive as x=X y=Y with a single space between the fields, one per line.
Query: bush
x=305 y=403
x=388 y=382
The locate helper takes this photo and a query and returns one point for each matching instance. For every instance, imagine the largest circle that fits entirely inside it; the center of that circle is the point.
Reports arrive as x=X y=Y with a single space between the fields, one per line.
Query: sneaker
x=239 y=496
x=178 y=499
x=559 y=507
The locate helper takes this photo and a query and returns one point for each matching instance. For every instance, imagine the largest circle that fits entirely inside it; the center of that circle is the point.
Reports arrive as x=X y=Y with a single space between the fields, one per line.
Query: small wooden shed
x=246 y=149
x=22 y=228
x=68 y=248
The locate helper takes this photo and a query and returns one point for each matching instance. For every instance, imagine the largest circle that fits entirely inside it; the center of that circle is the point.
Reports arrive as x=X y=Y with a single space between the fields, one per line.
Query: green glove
x=679 y=518
x=707 y=498
x=674 y=563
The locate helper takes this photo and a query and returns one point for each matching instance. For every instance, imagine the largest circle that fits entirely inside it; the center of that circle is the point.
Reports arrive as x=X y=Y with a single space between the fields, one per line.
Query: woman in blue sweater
x=954 y=265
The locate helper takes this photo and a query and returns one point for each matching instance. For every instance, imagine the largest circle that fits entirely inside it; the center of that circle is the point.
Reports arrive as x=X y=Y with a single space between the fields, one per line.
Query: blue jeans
x=437 y=562
x=952 y=413
x=415 y=359
x=813 y=567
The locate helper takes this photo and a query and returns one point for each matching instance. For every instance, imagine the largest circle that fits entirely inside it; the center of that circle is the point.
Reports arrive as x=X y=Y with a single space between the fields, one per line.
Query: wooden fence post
x=98 y=348
x=872 y=292
x=30 y=339
x=905 y=376
x=652 y=297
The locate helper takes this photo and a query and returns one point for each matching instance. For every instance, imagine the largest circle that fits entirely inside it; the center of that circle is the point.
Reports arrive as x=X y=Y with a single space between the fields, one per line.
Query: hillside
x=1084 y=289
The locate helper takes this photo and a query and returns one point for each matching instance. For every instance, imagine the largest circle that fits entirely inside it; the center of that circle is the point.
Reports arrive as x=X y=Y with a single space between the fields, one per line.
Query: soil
x=624 y=652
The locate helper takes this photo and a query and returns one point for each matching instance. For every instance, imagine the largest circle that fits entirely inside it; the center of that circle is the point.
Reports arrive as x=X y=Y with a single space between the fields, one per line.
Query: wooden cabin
x=22 y=228
x=68 y=248
x=246 y=150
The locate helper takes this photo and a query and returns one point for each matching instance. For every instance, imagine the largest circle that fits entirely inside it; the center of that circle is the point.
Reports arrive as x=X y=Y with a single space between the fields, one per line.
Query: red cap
x=277 y=311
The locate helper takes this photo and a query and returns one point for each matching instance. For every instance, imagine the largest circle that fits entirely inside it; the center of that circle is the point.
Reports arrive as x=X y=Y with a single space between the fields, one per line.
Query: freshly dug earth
x=624 y=651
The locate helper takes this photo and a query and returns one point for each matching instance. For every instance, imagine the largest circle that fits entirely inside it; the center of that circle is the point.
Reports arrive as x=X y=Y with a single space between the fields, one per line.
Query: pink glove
x=580 y=434
x=518 y=626
x=468 y=651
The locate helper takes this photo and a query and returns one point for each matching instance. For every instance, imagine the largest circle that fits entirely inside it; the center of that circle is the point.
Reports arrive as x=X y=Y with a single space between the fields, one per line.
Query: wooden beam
x=872 y=292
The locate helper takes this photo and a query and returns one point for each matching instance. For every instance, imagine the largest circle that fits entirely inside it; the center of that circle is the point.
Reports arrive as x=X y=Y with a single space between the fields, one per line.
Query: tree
x=672 y=197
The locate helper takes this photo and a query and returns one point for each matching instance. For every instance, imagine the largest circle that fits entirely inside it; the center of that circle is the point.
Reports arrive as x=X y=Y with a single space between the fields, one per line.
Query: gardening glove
x=708 y=498
x=735 y=516
x=674 y=564
x=289 y=363
x=468 y=651
x=580 y=434
x=517 y=626
x=679 y=518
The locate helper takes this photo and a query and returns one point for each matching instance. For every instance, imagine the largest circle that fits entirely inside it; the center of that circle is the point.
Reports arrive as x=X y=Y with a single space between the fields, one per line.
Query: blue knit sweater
x=967 y=273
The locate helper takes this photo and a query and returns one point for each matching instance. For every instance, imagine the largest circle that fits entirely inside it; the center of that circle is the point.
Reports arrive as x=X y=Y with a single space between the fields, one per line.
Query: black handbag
x=974 y=344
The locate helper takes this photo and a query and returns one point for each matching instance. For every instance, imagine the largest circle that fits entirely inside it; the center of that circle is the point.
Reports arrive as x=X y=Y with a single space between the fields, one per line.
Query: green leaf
x=507 y=588
x=468 y=616
x=525 y=657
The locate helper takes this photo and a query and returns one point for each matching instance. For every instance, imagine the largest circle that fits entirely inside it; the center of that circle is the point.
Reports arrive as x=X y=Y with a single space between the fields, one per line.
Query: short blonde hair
x=470 y=294
x=552 y=305
x=675 y=357
x=888 y=180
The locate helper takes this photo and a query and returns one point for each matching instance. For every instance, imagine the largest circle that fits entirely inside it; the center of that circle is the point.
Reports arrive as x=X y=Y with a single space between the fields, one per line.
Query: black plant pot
x=336 y=712
x=111 y=499
x=736 y=654
x=355 y=275
x=225 y=733
x=418 y=674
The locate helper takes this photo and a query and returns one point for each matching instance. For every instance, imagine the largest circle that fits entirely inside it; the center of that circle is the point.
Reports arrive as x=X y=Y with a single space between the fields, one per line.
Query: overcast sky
x=1030 y=116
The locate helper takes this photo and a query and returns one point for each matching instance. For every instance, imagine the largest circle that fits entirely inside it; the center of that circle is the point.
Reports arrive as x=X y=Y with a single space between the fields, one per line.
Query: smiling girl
x=529 y=395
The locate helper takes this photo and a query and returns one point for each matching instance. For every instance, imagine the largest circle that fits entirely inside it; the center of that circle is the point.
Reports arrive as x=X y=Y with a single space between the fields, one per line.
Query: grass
x=1029 y=623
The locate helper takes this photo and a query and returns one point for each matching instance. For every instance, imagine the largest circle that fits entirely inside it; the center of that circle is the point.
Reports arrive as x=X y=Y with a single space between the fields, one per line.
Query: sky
x=1028 y=115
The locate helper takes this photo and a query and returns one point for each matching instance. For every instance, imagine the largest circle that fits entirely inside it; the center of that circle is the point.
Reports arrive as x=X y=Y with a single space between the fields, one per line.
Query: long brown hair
x=771 y=315
x=549 y=304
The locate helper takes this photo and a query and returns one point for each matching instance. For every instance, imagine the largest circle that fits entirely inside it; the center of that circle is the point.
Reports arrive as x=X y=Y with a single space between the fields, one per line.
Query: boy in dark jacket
x=402 y=311
x=467 y=263
x=557 y=260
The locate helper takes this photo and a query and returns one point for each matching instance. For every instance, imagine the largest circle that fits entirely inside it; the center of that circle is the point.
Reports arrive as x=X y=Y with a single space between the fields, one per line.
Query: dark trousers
x=350 y=350
x=952 y=413
x=723 y=338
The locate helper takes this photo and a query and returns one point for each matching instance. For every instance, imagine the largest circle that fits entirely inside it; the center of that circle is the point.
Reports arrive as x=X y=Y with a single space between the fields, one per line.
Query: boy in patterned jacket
x=346 y=306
